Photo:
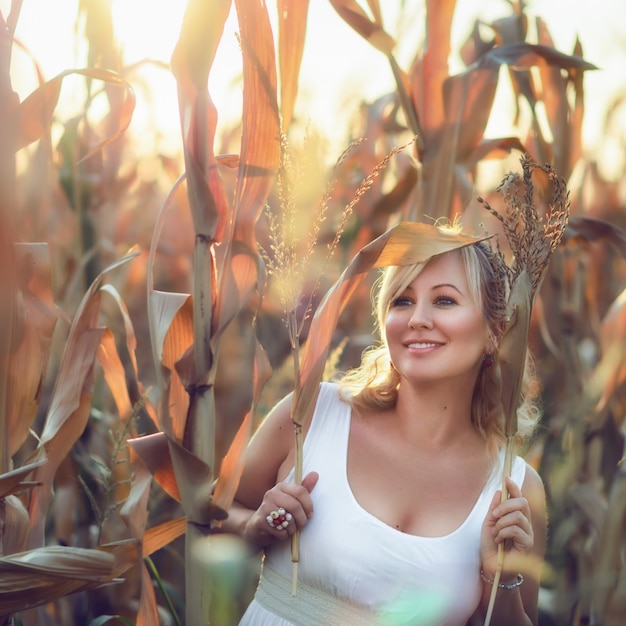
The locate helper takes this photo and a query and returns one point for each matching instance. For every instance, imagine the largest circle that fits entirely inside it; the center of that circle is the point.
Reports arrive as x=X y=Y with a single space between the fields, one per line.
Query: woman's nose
x=421 y=317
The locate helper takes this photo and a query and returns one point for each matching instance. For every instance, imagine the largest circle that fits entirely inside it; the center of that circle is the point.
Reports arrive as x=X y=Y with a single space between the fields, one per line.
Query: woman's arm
x=521 y=524
x=267 y=459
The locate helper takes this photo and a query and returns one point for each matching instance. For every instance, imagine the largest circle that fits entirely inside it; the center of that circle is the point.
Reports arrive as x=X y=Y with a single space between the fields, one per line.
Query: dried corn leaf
x=70 y=403
x=170 y=321
x=15 y=525
x=162 y=535
x=555 y=100
x=292 y=19
x=195 y=483
x=512 y=349
x=154 y=452
x=28 y=361
x=134 y=512
x=11 y=482
x=36 y=577
x=260 y=141
x=429 y=72
x=467 y=101
x=37 y=109
x=201 y=31
x=371 y=30
x=114 y=374
x=589 y=229
x=609 y=562
x=171 y=328
x=609 y=373
x=232 y=465
x=523 y=56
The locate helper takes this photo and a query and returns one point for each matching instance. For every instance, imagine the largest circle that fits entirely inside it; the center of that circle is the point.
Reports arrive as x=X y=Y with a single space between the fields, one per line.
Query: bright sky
x=339 y=68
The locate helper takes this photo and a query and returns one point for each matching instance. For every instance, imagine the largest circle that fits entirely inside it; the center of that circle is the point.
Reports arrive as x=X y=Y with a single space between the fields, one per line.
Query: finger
x=512 y=487
x=515 y=519
x=515 y=536
x=310 y=480
x=516 y=531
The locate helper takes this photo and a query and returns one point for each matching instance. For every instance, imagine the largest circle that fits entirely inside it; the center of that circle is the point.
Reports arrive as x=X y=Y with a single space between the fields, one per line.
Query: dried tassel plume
x=532 y=238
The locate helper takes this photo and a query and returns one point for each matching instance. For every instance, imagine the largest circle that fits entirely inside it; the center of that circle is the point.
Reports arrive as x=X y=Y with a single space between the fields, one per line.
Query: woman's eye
x=444 y=301
x=401 y=301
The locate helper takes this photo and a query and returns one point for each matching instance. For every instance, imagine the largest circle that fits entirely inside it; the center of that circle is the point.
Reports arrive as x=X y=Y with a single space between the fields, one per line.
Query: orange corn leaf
x=170 y=321
x=125 y=552
x=154 y=453
x=193 y=56
x=162 y=535
x=195 y=483
x=431 y=70
x=172 y=334
x=232 y=464
x=610 y=371
x=260 y=141
x=114 y=371
x=555 y=100
x=114 y=374
x=468 y=100
x=468 y=103
x=239 y=277
x=292 y=18
x=28 y=361
x=37 y=109
x=134 y=512
x=371 y=30
x=405 y=244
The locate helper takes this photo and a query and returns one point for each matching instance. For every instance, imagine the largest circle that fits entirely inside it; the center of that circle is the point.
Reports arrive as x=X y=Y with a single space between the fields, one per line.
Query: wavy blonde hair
x=374 y=384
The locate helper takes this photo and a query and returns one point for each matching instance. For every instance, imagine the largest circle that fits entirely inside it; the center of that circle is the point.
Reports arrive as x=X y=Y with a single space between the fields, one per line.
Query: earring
x=487 y=360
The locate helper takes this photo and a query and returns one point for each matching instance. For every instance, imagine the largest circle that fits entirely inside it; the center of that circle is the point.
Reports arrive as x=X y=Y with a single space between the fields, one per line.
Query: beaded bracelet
x=517 y=583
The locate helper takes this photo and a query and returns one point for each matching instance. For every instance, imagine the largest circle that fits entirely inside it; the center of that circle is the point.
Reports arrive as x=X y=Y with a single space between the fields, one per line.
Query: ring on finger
x=279 y=518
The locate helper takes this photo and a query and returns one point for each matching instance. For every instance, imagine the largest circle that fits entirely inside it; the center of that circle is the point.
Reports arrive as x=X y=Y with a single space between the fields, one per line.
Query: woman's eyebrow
x=448 y=285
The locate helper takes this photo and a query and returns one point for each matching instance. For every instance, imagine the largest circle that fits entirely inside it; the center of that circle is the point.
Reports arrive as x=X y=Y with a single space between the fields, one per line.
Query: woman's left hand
x=507 y=522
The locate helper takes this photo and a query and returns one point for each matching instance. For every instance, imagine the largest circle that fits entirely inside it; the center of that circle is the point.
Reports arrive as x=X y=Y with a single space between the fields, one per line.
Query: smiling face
x=435 y=329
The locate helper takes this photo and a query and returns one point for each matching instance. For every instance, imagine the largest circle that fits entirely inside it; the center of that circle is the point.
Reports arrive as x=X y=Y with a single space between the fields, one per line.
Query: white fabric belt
x=310 y=606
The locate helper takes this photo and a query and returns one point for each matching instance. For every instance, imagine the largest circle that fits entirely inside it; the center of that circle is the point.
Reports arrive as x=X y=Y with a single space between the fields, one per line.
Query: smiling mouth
x=422 y=345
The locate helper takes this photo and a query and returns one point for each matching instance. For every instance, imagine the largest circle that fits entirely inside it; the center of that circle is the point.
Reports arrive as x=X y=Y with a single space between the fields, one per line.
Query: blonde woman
x=400 y=511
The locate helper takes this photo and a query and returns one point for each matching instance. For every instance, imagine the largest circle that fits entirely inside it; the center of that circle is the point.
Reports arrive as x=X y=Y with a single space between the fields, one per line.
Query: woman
x=400 y=510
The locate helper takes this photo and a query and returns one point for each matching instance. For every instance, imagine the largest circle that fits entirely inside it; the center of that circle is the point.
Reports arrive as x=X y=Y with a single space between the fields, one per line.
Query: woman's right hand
x=295 y=499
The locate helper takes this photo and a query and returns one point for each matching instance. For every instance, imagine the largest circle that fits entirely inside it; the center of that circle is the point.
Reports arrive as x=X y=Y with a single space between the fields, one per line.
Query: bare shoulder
x=533 y=488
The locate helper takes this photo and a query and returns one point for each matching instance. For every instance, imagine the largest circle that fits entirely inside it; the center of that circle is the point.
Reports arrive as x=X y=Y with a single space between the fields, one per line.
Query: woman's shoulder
x=533 y=486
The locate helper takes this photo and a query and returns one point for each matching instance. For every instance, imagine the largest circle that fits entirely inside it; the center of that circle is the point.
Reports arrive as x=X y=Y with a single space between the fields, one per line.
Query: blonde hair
x=374 y=384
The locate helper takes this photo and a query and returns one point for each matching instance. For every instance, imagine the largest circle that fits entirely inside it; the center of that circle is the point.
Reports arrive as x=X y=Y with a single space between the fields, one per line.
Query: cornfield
x=154 y=307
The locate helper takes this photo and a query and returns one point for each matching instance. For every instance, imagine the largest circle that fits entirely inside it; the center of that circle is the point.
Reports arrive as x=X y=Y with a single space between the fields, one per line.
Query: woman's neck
x=435 y=414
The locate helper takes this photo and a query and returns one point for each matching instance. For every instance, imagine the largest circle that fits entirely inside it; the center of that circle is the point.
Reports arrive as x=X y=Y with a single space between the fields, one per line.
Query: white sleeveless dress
x=356 y=570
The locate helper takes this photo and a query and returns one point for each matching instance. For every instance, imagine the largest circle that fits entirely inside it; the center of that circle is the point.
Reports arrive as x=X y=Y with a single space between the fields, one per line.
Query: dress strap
x=310 y=605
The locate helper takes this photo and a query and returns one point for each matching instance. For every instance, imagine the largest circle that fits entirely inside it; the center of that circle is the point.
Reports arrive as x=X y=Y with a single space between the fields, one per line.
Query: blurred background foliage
x=86 y=185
